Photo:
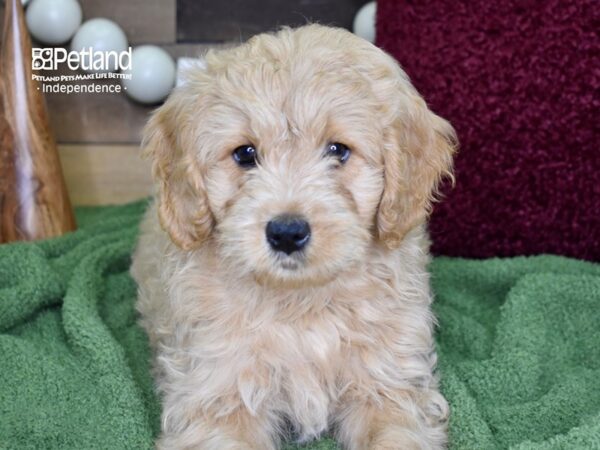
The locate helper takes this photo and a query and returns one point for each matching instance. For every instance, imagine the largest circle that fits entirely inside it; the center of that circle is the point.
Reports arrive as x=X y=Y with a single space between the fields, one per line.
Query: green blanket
x=519 y=345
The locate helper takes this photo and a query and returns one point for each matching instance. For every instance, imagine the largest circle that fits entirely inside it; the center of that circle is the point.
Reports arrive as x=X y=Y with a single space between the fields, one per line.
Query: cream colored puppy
x=286 y=285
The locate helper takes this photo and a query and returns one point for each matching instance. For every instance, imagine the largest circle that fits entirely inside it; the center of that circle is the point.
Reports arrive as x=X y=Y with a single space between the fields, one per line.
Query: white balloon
x=364 y=22
x=102 y=35
x=53 y=21
x=153 y=75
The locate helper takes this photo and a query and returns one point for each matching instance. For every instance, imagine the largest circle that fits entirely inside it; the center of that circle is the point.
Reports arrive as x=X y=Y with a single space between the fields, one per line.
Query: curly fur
x=249 y=342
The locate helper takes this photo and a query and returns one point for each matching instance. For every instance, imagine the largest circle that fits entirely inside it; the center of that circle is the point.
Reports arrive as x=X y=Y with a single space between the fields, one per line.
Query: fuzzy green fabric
x=519 y=346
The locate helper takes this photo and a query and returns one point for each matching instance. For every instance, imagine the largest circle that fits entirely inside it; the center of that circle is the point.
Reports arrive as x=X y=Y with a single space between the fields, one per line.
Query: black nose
x=288 y=233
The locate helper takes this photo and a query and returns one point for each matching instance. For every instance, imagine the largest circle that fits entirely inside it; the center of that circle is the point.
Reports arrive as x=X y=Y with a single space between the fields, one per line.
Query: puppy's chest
x=318 y=345
x=303 y=359
x=313 y=360
x=317 y=341
x=323 y=337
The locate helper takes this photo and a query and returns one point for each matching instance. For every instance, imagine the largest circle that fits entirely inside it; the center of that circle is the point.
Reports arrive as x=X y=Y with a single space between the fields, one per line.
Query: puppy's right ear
x=182 y=203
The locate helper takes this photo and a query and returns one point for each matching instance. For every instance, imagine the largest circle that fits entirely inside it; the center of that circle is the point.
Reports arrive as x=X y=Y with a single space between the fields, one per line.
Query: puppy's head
x=295 y=153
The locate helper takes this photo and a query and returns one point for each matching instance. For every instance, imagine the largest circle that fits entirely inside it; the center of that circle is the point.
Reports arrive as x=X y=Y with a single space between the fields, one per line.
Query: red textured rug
x=520 y=82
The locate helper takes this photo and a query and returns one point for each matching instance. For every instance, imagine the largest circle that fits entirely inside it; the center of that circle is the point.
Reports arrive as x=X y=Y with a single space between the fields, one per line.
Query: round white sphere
x=364 y=22
x=153 y=75
x=102 y=35
x=53 y=21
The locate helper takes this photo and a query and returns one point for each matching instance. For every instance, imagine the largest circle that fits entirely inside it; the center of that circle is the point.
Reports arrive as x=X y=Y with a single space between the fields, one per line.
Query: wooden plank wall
x=99 y=134
x=236 y=20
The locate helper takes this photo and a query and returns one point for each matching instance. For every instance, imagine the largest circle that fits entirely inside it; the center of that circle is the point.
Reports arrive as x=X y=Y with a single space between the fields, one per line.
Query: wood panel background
x=144 y=21
x=105 y=174
x=234 y=20
x=99 y=134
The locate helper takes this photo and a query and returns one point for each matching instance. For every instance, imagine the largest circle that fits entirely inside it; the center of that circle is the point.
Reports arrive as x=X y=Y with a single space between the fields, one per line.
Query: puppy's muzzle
x=288 y=233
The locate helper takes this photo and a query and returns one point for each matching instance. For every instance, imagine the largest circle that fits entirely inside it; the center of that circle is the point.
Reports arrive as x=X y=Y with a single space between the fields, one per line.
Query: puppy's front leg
x=372 y=416
x=393 y=425
x=188 y=426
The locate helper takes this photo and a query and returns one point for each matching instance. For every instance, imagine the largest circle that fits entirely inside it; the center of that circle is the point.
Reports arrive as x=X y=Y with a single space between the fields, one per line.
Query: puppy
x=282 y=269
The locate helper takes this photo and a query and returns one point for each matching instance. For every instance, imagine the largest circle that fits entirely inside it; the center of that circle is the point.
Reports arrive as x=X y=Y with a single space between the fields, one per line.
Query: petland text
x=86 y=59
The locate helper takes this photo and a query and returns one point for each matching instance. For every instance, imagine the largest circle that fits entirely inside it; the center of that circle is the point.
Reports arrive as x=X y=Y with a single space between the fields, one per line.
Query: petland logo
x=99 y=65
x=86 y=59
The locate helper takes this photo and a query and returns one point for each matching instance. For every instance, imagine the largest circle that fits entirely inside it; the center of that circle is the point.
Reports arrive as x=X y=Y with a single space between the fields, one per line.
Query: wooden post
x=34 y=203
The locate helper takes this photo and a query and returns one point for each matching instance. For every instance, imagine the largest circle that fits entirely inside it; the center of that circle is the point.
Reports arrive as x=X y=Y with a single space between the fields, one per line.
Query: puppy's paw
x=411 y=425
x=210 y=441
x=395 y=437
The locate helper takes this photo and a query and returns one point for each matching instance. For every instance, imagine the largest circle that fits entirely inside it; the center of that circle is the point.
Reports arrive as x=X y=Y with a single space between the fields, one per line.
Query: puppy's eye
x=245 y=156
x=339 y=151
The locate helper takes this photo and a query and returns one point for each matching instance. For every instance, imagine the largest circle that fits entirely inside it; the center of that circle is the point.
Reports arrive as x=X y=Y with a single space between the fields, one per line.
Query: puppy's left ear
x=418 y=153
x=183 y=208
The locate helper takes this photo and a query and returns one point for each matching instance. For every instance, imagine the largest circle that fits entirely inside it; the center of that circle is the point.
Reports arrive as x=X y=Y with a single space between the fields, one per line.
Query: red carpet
x=520 y=82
